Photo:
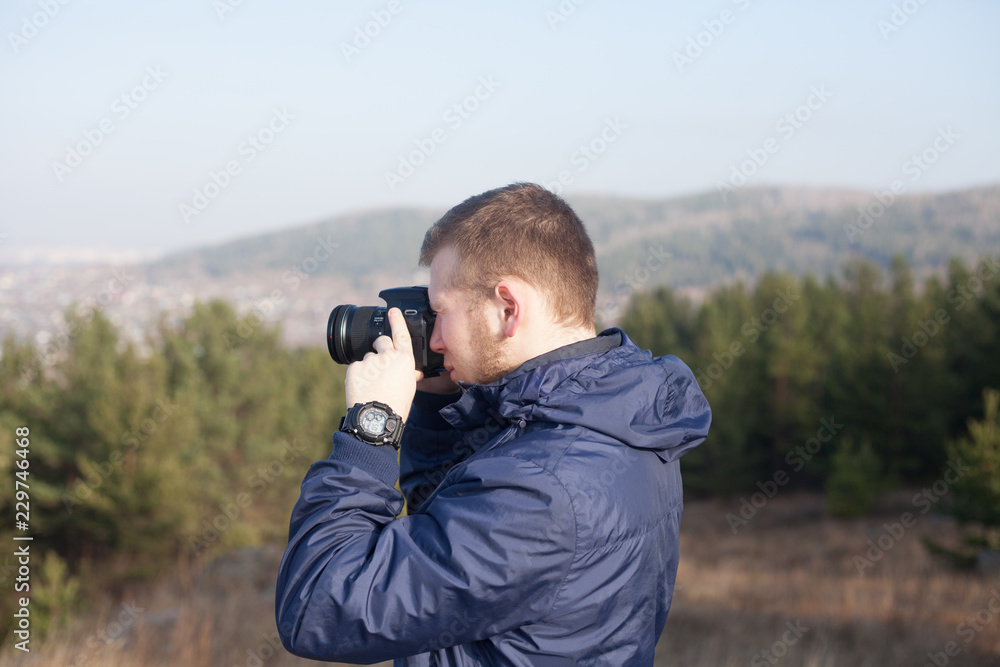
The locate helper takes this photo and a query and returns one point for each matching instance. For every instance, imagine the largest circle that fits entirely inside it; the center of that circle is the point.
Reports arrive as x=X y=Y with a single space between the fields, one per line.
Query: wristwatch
x=374 y=423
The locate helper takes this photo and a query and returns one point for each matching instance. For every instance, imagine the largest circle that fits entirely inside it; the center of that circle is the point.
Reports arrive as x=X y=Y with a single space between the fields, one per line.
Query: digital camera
x=351 y=330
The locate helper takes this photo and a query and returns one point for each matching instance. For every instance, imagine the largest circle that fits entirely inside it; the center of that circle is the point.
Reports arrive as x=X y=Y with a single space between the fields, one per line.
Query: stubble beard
x=494 y=356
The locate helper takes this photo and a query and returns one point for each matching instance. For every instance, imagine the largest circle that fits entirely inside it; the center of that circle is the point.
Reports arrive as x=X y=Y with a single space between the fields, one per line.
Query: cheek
x=451 y=335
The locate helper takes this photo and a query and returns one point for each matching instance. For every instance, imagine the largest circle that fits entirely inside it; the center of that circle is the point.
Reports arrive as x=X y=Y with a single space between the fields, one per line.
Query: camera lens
x=351 y=331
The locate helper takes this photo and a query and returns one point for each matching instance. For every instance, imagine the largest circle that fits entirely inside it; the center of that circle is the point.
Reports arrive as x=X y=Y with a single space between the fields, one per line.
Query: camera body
x=351 y=330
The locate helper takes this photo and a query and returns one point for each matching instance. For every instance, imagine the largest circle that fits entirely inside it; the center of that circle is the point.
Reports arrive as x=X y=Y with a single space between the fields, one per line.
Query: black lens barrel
x=351 y=330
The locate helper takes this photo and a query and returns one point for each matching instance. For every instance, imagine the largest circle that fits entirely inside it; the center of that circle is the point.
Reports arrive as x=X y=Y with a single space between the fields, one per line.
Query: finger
x=419 y=376
x=382 y=344
x=400 y=334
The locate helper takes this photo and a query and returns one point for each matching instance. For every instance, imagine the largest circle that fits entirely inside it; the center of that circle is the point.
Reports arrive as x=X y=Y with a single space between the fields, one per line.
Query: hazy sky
x=115 y=115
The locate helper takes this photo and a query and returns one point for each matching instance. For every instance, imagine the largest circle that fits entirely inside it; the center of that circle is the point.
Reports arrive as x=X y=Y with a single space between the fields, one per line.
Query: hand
x=386 y=375
x=437 y=384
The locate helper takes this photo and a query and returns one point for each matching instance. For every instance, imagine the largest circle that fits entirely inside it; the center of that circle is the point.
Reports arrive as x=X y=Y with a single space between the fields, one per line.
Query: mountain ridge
x=709 y=240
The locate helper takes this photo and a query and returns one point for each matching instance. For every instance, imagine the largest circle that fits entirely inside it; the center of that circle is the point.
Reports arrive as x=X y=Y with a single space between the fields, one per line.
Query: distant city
x=35 y=295
x=295 y=276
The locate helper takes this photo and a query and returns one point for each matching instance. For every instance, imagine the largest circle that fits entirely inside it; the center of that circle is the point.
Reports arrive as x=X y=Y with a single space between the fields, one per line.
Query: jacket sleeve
x=487 y=554
x=430 y=447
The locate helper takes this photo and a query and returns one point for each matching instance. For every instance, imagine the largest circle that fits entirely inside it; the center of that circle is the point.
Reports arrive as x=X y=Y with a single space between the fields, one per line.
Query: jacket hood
x=606 y=384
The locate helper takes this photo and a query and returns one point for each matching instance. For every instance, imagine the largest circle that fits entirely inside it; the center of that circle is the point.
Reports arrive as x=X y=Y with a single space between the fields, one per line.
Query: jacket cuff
x=379 y=461
x=425 y=408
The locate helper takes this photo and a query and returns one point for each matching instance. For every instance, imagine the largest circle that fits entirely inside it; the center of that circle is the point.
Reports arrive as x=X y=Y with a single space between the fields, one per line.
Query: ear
x=510 y=298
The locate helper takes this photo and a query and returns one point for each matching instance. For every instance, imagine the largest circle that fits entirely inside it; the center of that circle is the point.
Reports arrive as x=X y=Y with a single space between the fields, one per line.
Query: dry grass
x=736 y=593
x=734 y=597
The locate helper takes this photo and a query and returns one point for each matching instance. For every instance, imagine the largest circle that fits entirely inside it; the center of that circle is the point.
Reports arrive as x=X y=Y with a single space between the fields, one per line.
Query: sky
x=152 y=127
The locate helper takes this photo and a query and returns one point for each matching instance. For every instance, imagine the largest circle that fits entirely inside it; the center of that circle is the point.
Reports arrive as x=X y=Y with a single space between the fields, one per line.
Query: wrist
x=379 y=462
x=374 y=423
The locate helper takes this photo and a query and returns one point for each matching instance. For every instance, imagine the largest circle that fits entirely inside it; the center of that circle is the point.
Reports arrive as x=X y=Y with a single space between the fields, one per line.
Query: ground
x=791 y=587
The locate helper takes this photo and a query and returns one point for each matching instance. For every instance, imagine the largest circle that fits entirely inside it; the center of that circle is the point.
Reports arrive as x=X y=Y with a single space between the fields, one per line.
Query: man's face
x=474 y=349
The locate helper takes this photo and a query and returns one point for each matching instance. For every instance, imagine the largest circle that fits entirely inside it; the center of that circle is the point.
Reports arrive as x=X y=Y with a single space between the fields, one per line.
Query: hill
x=709 y=241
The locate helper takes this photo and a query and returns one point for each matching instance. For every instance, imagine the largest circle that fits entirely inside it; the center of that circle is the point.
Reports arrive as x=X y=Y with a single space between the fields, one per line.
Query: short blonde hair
x=523 y=231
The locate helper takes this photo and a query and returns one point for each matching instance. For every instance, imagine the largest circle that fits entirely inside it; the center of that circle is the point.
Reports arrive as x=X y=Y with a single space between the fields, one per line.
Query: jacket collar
x=504 y=399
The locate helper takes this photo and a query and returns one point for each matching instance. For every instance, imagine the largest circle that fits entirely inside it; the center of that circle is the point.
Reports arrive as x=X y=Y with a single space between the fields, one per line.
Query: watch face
x=372 y=421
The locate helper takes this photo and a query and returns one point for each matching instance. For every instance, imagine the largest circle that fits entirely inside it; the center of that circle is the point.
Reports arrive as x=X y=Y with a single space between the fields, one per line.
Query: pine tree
x=976 y=492
x=855 y=480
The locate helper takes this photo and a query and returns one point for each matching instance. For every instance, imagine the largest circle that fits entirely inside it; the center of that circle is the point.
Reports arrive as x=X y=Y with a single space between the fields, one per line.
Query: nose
x=437 y=342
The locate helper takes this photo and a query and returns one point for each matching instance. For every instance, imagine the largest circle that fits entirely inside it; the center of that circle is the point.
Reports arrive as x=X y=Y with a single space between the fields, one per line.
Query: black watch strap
x=374 y=423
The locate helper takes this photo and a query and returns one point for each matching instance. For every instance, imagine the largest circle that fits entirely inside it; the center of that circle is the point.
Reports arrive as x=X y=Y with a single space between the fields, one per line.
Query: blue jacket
x=542 y=523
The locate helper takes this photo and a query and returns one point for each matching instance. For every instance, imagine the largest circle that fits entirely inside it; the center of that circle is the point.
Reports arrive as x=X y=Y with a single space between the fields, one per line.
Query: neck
x=553 y=338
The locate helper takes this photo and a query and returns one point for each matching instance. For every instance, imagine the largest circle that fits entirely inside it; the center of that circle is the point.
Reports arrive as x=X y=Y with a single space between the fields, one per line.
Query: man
x=541 y=474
